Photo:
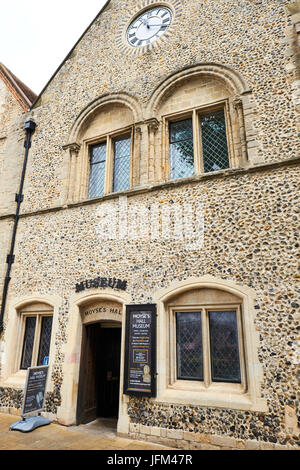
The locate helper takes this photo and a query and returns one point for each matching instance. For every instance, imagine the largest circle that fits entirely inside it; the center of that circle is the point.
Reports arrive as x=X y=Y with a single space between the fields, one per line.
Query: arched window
x=108 y=148
x=36 y=330
x=206 y=329
x=198 y=141
x=208 y=345
x=201 y=128
x=206 y=121
x=222 y=347
x=102 y=156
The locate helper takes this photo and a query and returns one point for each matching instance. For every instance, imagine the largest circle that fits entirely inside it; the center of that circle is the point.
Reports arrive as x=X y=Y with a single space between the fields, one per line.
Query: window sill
x=233 y=172
x=16 y=380
x=195 y=386
x=227 y=396
x=158 y=186
x=227 y=173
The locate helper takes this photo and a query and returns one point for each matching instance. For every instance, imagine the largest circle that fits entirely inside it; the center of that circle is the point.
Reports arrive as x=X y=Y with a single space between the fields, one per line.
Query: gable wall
x=249 y=37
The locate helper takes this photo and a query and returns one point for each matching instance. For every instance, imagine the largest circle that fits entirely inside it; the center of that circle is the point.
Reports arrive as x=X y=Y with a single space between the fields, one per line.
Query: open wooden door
x=99 y=382
x=109 y=372
x=87 y=393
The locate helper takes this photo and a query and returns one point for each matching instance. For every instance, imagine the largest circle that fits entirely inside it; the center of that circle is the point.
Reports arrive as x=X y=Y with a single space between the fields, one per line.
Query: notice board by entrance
x=34 y=393
x=140 y=350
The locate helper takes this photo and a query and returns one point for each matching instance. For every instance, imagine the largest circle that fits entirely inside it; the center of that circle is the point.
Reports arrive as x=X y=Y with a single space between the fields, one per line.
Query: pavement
x=98 y=435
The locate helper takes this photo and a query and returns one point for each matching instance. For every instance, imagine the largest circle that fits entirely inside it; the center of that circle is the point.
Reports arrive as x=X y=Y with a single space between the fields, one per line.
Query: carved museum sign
x=103 y=310
x=101 y=282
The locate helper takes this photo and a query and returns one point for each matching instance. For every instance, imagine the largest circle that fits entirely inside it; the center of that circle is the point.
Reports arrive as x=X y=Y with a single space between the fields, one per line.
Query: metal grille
x=181 y=149
x=225 y=363
x=28 y=342
x=97 y=170
x=189 y=346
x=45 y=339
x=214 y=142
x=122 y=164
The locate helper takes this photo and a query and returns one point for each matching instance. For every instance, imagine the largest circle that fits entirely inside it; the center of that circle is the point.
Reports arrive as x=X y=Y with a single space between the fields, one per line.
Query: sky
x=37 y=35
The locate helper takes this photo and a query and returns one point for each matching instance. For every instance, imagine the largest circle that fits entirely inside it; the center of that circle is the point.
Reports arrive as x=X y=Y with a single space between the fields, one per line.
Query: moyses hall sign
x=101 y=282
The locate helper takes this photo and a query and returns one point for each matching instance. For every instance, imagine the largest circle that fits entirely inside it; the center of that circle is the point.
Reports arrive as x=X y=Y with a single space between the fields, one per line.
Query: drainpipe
x=29 y=128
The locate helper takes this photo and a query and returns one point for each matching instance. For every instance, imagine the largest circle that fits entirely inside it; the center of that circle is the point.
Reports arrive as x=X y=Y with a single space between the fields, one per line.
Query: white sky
x=36 y=35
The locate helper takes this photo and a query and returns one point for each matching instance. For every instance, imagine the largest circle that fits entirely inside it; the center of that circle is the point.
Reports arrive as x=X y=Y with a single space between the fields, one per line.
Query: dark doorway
x=99 y=383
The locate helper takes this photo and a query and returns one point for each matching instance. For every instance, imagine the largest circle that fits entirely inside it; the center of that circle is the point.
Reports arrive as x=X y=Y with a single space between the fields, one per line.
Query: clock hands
x=149 y=25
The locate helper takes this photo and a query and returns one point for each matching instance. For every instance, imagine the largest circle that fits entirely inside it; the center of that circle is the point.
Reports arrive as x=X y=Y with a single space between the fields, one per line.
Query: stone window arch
x=102 y=156
x=205 y=115
x=35 y=334
x=202 y=307
x=42 y=311
x=207 y=333
x=29 y=339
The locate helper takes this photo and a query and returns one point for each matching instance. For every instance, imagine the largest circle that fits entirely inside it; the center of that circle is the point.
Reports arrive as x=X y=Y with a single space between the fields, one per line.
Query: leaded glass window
x=97 y=170
x=44 y=347
x=28 y=342
x=224 y=347
x=189 y=346
x=214 y=141
x=221 y=349
x=181 y=149
x=121 y=179
x=37 y=340
x=208 y=149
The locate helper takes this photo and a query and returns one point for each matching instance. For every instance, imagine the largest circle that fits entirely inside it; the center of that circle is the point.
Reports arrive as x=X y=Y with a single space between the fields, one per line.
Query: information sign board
x=34 y=391
x=140 y=350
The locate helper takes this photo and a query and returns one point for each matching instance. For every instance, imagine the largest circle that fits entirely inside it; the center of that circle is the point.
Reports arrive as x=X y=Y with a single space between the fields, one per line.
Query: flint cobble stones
x=251 y=239
x=93 y=70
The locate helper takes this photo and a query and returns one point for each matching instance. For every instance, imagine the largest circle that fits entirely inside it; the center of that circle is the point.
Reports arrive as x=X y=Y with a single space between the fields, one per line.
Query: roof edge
x=68 y=55
x=14 y=84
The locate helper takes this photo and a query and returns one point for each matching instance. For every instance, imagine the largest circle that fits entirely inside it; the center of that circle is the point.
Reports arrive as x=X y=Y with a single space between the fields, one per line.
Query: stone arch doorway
x=99 y=378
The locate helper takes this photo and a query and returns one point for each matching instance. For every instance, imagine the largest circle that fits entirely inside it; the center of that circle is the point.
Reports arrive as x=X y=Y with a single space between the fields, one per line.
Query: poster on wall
x=140 y=350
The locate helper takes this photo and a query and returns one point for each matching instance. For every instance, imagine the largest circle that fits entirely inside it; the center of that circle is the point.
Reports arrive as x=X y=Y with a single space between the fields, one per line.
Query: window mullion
x=166 y=150
x=36 y=342
x=132 y=157
x=197 y=143
x=201 y=157
x=108 y=184
x=232 y=158
x=206 y=349
x=241 y=347
x=172 y=347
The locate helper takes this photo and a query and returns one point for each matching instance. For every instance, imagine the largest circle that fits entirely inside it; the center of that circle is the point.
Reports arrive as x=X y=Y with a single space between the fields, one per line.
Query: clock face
x=149 y=26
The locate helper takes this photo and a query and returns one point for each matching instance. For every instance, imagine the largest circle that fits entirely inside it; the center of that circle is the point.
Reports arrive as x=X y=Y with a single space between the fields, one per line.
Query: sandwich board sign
x=33 y=400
